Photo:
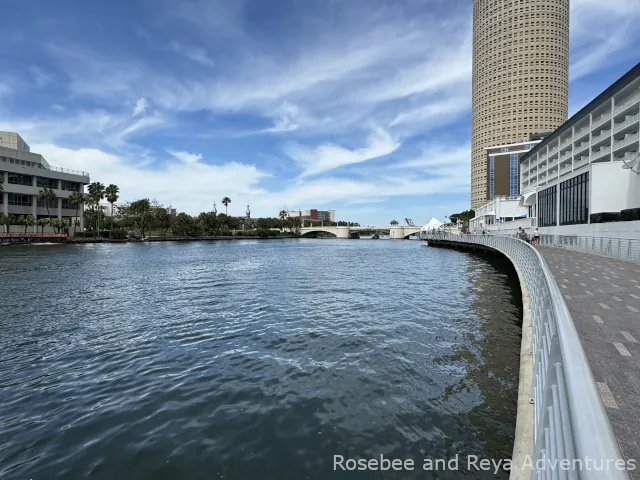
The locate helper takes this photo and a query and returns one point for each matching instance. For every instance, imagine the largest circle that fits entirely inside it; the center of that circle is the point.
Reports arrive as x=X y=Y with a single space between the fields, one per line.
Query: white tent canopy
x=432 y=225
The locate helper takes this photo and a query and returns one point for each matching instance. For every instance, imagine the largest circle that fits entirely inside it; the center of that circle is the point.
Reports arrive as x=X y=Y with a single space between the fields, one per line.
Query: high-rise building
x=520 y=76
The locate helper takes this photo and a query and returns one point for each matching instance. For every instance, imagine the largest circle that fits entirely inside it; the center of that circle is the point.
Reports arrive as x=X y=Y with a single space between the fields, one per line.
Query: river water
x=254 y=359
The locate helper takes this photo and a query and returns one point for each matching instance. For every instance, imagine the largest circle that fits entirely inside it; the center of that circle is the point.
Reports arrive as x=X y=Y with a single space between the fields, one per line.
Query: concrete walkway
x=603 y=296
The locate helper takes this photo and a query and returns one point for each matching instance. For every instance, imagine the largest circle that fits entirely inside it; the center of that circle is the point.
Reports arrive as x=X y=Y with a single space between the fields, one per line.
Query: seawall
x=523 y=440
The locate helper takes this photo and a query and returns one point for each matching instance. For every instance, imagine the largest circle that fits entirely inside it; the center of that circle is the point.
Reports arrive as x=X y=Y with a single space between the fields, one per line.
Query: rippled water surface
x=253 y=360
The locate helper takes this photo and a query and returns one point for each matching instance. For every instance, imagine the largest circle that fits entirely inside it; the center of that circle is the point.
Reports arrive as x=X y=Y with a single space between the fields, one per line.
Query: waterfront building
x=520 y=76
x=581 y=173
x=313 y=215
x=26 y=173
x=500 y=211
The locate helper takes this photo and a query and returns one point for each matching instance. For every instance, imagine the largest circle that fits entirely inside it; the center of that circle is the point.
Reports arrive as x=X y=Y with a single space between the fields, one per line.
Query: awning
x=492 y=213
x=528 y=198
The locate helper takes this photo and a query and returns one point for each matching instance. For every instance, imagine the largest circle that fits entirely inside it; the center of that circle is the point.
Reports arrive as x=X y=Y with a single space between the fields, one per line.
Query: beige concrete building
x=520 y=76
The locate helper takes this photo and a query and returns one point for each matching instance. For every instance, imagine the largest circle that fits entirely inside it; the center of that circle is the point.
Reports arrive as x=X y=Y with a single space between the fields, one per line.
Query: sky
x=362 y=106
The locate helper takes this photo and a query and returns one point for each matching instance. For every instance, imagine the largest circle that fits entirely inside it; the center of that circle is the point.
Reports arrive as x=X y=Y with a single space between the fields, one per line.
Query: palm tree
x=96 y=193
x=226 y=201
x=111 y=192
x=28 y=221
x=394 y=222
x=57 y=223
x=43 y=222
x=1 y=183
x=76 y=199
x=48 y=196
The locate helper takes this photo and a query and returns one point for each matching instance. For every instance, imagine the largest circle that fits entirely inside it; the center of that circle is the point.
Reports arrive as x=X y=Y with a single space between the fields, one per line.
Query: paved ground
x=603 y=296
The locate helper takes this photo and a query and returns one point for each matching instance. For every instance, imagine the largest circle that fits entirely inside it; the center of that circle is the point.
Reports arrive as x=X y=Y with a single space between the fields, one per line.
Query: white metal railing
x=580 y=148
x=570 y=422
x=603 y=152
x=621 y=248
x=628 y=121
x=580 y=133
x=627 y=103
x=66 y=170
x=628 y=140
x=603 y=134
x=601 y=120
x=565 y=155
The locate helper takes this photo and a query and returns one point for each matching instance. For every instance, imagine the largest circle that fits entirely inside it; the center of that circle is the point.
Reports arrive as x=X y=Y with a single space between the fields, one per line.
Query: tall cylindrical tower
x=520 y=76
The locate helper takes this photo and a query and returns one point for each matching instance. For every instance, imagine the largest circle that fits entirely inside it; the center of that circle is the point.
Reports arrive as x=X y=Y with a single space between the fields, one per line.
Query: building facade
x=313 y=215
x=520 y=76
x=499 y=210
x=503 y=167
x=25 y=174
x=588 y=170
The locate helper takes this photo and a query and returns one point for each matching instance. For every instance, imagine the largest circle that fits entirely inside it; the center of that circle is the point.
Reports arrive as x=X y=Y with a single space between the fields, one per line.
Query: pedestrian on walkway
x=536 y=237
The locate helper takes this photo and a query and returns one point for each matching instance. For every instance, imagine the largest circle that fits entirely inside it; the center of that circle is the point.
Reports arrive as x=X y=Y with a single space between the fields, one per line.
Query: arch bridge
x=397 y=232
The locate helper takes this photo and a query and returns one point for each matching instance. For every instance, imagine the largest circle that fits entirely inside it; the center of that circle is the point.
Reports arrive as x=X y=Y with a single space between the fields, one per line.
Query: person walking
x=536 y=237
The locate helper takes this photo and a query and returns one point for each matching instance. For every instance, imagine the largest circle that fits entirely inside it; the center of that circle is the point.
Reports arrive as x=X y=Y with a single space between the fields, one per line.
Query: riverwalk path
x=603 y=296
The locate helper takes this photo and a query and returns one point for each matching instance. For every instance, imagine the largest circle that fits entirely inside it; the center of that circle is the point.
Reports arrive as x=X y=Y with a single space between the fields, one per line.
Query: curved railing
x=570 y=422
x=621 y=248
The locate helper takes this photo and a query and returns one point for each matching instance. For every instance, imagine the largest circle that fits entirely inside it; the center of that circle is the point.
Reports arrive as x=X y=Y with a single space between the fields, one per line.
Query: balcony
x=630 y=102
x=566 y=168
x=580 y=132
x=565 y=155
x=580 y=148
x=581 y=162
x=628 y=140
x=601 y=120
x=628 y=122
x=602 y=155
x=603 y=135
x=565 y=143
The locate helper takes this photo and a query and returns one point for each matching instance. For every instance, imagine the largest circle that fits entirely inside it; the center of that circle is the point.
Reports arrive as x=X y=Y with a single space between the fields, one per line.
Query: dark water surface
x=253 y=360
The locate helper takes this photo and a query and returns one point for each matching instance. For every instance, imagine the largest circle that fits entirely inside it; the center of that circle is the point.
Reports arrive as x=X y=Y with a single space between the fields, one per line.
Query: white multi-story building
x=502 y=210
x=580 y=173
x=25 y=174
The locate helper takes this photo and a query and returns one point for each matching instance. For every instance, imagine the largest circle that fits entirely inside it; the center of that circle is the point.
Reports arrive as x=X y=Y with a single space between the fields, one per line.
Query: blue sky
x=363 y=106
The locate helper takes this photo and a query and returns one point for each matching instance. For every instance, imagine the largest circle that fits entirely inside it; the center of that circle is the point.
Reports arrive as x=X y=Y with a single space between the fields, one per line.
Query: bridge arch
x=313 y=233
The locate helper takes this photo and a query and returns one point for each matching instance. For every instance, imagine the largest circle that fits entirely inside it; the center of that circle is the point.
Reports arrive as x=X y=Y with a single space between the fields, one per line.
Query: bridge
x=397 y=232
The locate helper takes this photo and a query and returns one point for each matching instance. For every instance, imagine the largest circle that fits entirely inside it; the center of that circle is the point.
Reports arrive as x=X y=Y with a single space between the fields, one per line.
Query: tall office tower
x=520 y=76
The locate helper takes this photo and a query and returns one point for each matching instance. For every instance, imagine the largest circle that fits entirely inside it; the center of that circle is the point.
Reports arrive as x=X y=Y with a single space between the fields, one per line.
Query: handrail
x=570 y=421
x=621 y=248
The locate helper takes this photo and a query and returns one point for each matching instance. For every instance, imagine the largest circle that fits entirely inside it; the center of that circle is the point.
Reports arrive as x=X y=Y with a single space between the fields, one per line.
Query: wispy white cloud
x=195 y=53
x=602 y=33
x=40 y=78
x=186 y=157
x=329 y=156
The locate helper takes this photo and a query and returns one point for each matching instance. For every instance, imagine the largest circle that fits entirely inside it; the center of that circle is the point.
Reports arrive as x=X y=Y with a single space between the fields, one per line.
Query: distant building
x=503 y=162
x=25 y=174
x=313 y=215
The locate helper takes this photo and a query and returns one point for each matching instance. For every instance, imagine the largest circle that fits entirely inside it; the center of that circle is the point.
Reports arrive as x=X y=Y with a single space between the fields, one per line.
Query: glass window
x=47 y=183
x=19 y=199
x=492 y=164
x=574 y=200
x=513 y=175
x=17 y=179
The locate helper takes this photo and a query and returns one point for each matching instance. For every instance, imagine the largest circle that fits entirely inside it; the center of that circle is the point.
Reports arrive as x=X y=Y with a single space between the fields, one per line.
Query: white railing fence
x=621 y=248
x=570 y=422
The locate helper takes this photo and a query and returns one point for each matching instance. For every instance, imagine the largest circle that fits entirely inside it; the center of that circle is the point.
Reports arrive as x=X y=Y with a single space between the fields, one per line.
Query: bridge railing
x=620 y=248
x=570 y=422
